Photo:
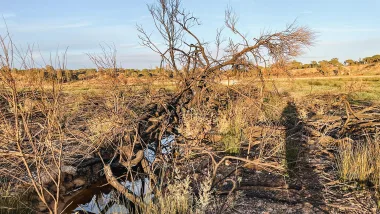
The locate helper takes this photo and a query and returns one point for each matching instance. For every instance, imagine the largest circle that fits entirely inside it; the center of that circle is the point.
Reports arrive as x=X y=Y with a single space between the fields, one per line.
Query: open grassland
x=359 y=88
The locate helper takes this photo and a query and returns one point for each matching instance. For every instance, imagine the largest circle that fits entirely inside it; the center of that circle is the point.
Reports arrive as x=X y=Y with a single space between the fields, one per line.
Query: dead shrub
x=104 y=127
x=196 y=124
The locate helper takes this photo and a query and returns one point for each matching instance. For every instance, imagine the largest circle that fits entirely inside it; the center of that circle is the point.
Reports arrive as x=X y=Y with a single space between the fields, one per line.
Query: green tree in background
x=335 y=62
x=314 y=64
x=350 y=62
x=295 y=65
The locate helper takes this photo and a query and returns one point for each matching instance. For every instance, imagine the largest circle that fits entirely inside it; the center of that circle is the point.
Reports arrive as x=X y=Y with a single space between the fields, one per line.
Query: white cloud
x=74 y=25
x=36 y=26
x=8 y=15
x=344 y=49
x=307 y=12
x=346 y=29
x=139 y=46
x=140 y=19
x=131 y=45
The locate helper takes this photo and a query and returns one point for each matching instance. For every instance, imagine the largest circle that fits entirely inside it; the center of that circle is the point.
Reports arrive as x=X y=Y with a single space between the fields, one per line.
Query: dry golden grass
x=360 y=161
x=196 y=124
x=11 y=203
x=358 y=87
x=180 y=198
x=230 y=124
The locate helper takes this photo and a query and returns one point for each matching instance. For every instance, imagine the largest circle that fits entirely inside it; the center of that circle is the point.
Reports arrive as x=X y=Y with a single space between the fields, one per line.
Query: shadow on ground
x=301 y=175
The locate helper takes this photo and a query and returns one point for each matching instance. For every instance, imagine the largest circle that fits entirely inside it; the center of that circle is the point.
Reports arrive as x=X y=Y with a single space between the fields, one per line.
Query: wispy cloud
x=346 y=29
x=343 y=49
x=139 y=19
x=348 y=43
x=8 y=15
x=73 y=25
x=132 y=45
x=138 y=46
x=307 y=12
x=46 y=26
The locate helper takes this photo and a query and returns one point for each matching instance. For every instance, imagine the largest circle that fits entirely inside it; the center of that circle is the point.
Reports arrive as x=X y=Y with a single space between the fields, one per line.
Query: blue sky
x=345 y=28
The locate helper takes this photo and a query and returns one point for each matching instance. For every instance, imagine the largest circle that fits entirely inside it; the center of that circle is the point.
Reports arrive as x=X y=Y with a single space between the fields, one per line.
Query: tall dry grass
x=196 y=124
x=360 y=161
x=179 y=197
x=231 y=123
x=13 y=203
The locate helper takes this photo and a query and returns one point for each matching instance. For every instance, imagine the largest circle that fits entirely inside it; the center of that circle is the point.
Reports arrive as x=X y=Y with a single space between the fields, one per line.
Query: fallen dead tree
x=196 y=65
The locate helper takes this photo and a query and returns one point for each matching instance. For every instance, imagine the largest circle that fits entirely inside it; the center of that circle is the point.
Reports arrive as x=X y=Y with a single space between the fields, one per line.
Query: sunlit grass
x=360 y=161
x=366 y=89
x=11 y=202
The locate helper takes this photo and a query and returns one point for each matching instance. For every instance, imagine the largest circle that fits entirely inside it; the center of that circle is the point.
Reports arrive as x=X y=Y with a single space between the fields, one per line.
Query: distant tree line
x=333 y=62
x=66 y=75
x=334 y=65
x=366 y=60
x=324 y=67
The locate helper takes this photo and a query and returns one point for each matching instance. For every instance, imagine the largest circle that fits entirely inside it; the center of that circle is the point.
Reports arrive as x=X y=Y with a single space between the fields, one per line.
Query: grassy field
x=359 y=88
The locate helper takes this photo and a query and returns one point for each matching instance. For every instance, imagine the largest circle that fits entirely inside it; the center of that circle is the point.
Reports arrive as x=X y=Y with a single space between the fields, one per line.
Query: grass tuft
x=360 y=162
